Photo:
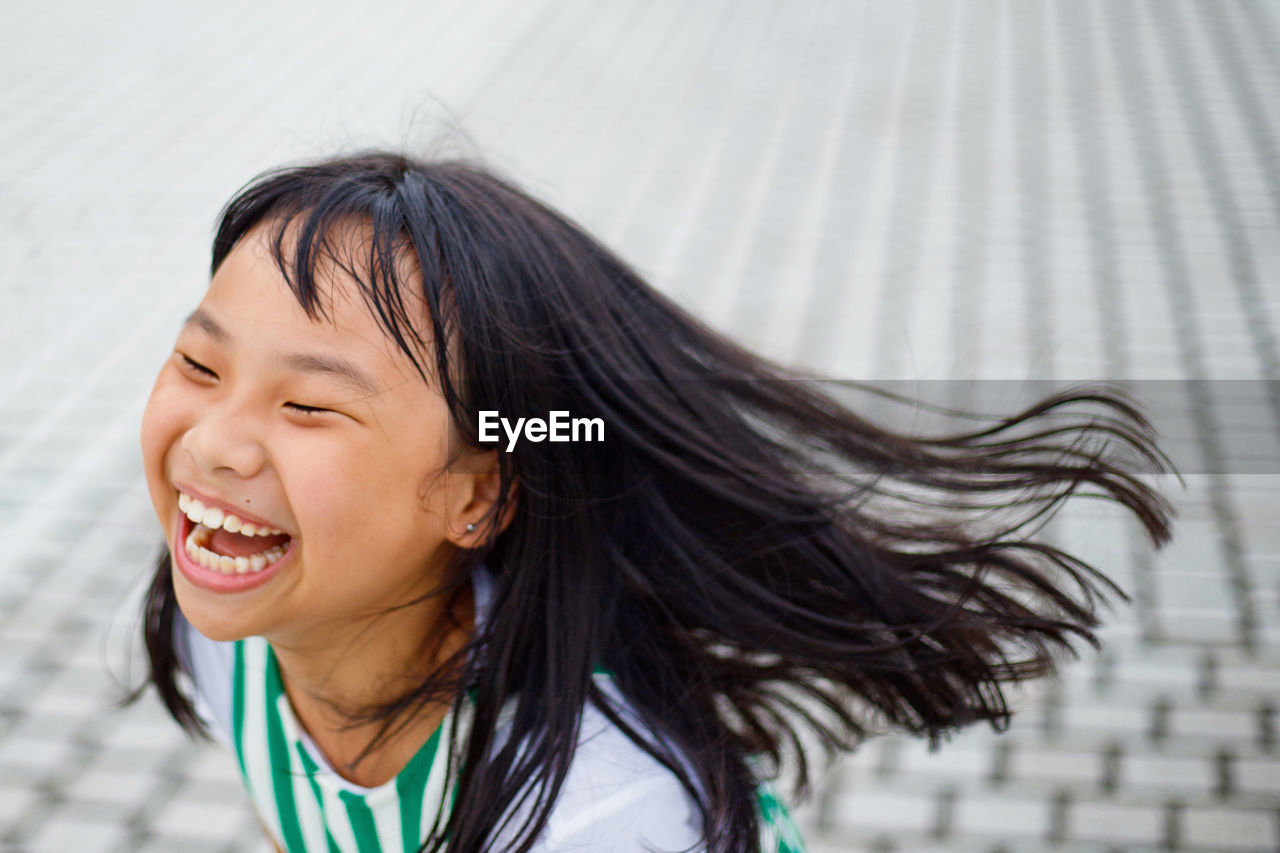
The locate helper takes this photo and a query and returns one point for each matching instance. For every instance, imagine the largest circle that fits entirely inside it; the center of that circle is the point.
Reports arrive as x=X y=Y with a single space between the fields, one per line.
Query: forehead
x=250 y=298
x=339 y=262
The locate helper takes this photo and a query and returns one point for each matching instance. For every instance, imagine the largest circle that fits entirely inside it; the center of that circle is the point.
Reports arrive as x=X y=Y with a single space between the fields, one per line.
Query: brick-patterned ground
x=921 y=189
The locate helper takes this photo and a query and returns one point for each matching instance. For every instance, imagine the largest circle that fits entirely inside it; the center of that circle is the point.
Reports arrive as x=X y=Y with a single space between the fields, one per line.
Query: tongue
x=231 y=544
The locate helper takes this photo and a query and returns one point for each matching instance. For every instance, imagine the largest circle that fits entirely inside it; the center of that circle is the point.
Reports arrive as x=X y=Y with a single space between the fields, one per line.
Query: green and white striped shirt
x=616 y=798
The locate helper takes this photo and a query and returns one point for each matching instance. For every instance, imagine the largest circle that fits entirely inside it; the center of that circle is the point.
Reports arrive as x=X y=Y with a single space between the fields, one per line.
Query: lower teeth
x=253 y=564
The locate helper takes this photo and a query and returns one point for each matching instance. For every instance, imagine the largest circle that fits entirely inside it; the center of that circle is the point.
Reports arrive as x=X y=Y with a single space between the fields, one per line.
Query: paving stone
x=1146 y=677
x=121 y=789
x=59 y=728
x=66 y=835
x=1009 y=817
x=94 y=810
x=1269 y=637
x=1196 y=591
x=224 y=792
x=251 y=840
x=133 y=760
x=1115 y=823
x=33 y=755
x=198 y=820
x=1264 y=680
x=157 y=735
x=1230 y=829
x=60 y=704
x=1196 y=627
x=212 y=763
x=1168 y=773
x=873 y=810
x=1258 y=775
x=953 y=760
x=163 y=843
x=824 y=846
x=1108 y=720
x=1215 y=724
x=1028 y=763
x=15 y=801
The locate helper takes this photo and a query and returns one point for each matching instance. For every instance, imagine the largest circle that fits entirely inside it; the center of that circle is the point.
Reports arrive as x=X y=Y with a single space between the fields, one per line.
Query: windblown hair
x=749 y=558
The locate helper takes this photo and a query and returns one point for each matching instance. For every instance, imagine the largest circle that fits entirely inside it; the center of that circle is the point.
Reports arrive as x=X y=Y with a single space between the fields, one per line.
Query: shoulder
x=617 y=797
x=211 y=665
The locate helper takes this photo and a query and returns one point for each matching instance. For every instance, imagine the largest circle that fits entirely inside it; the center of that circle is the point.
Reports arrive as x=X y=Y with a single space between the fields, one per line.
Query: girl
x=416 y=637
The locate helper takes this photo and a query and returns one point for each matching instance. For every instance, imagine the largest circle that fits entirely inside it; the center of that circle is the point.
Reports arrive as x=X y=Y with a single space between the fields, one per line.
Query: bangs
x=323 y=231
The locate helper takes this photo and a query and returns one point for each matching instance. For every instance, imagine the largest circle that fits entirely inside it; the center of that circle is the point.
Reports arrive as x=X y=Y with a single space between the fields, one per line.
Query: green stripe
x=312 y=769
x=410 y=812
x=419 y=767
x=237 y=708
x=411 y=788
x=774 y=815
x=362 y=826
x=281 y=773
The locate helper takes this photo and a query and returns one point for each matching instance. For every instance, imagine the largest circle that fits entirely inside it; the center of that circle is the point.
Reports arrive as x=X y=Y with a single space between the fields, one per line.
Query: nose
x=224 y=440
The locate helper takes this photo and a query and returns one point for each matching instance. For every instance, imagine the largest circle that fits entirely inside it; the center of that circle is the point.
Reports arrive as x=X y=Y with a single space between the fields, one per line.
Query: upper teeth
x=213 y=518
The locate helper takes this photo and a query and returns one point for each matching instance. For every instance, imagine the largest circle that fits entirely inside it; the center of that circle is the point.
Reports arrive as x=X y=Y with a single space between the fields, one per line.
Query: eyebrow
x=201 y=318
x=329 y=365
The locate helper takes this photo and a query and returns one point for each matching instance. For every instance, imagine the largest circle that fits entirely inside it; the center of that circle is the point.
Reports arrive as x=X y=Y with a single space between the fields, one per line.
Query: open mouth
x=223 y=542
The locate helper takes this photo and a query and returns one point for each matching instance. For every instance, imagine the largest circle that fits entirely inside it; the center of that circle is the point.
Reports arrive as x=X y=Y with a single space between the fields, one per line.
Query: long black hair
x=746 y=556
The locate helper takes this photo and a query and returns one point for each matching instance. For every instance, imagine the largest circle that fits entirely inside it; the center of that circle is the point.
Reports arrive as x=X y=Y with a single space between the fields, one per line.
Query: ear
x=474 y=497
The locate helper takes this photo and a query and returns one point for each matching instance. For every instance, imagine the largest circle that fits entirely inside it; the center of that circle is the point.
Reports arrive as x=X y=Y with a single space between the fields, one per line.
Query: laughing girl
x=414 y=639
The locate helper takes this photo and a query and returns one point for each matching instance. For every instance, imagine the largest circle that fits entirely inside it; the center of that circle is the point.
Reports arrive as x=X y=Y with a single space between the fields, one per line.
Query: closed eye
x=308 y=410
x=196 y=367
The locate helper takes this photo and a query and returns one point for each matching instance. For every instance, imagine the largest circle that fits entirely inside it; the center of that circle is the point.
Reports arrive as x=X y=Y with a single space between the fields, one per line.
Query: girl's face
x=321 y=431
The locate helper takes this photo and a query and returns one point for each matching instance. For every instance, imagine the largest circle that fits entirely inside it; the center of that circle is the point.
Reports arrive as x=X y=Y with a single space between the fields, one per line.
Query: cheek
x=160 y=427
x=387 y=496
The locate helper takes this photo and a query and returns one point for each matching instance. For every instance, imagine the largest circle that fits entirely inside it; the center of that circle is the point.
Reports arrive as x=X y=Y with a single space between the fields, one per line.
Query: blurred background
x=1019 y=194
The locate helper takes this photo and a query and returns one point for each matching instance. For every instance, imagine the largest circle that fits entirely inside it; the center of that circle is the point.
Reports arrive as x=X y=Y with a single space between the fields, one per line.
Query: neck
x=368 y=663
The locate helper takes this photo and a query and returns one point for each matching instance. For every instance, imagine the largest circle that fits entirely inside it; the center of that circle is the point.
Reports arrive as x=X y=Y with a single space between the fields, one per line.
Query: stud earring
x=471 y=528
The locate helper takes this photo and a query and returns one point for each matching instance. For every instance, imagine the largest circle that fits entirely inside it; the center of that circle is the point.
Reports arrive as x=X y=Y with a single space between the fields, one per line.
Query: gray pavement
x=910 y=190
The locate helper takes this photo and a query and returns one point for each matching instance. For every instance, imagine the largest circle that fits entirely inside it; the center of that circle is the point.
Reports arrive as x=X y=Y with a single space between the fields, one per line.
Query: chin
x=206 y=617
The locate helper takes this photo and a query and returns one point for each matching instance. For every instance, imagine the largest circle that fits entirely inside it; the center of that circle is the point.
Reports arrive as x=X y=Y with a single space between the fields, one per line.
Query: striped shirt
x=615 y=798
